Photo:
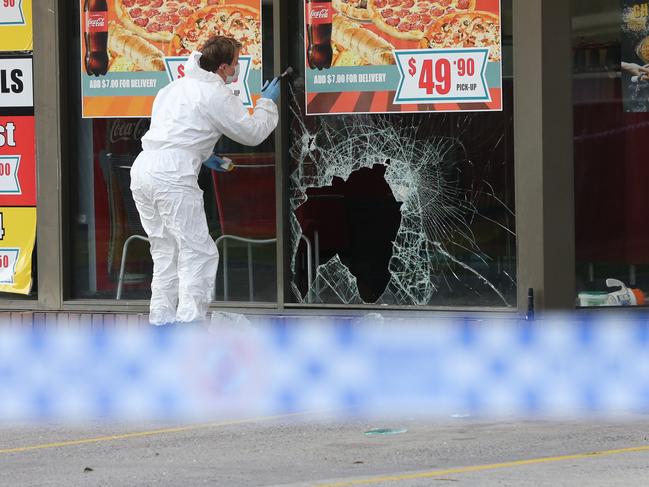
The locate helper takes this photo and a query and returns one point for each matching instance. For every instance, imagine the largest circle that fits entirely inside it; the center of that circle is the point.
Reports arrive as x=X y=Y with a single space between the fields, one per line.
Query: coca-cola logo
x=128 y=130
x=320 y=14
x=96 y=21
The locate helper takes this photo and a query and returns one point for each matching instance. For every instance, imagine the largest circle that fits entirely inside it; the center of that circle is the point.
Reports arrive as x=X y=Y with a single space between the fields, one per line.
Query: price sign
x=11 y=12
x=17 y=238
x=9 y=175
x=176 y=70
x=8 y=259
x=442 y=75
x=175 y=67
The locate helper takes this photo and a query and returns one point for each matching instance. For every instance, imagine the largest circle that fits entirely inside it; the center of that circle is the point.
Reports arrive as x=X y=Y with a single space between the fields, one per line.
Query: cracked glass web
x=437 y=213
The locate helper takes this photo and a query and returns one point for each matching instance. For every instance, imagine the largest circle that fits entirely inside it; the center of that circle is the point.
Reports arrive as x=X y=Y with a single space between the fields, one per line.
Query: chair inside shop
x=245 y=199
x=125 y=225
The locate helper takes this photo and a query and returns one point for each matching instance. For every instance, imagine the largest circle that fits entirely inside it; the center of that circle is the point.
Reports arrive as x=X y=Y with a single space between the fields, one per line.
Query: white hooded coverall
x=189 y=116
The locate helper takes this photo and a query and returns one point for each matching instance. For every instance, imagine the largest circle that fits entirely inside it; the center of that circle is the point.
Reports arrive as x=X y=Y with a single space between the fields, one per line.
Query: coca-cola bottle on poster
x=96 y=36
x=319 y=17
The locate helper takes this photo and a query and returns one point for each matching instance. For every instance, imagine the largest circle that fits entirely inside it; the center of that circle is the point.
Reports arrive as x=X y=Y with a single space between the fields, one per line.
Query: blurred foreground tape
x=556 y=368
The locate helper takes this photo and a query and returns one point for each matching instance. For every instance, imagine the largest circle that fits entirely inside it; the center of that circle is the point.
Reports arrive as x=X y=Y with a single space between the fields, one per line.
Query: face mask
x=233 y=78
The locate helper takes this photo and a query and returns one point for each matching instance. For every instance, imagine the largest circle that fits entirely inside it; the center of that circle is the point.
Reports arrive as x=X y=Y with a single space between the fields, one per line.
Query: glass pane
x=245 y=203
x=103 y=216
x=611 y=125
x=401 y=209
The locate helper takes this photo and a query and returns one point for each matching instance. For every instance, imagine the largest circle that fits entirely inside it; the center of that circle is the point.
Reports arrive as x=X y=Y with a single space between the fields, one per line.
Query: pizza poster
x=635 y=55
x=16 y=25
x=385 y=56
x=131 y=49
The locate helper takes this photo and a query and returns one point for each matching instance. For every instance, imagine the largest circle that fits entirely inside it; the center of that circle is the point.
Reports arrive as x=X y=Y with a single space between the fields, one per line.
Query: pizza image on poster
x=402 y=56
x=239 y=21
x=133 y=48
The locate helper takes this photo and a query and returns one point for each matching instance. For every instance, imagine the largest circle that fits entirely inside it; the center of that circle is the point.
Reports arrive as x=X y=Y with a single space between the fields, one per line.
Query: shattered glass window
x=401 y=209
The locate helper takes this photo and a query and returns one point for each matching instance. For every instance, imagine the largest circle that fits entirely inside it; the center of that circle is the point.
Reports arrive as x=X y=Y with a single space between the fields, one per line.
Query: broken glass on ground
x=385 y=431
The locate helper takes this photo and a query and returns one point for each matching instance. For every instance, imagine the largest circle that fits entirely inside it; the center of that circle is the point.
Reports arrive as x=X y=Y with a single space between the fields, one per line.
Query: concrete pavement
x=309 y=450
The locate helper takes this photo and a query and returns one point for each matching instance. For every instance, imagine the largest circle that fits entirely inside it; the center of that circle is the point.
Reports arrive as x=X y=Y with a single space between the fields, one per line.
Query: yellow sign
x=16 y=25
x=17 y=238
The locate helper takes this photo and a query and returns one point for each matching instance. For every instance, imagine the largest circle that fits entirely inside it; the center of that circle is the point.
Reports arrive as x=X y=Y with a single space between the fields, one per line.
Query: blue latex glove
x=271 y=90
x=218 y=164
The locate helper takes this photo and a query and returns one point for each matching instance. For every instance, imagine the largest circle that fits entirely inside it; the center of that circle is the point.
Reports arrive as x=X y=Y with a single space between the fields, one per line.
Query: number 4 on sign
x=2 y=226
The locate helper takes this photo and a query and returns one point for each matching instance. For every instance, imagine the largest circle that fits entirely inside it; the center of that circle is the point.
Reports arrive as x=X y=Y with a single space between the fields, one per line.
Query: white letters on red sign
x=7 y=137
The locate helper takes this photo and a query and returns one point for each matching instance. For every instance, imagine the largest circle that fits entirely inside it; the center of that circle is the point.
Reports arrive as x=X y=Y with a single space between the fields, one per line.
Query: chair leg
x=316 y=250
x=122 y=267
x=251 y=288
x=309 y=265
x=225 y=270
x=250 y=285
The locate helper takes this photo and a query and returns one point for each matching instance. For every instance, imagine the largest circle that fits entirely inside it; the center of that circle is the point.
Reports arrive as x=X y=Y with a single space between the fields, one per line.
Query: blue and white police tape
x=557 y=367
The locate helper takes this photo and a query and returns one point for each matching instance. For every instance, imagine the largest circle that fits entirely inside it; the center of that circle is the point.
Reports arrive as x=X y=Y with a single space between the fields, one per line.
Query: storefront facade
x=456 y=211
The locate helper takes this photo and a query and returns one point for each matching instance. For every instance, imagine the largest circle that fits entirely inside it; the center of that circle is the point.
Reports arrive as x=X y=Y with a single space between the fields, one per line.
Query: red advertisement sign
x=17 y=161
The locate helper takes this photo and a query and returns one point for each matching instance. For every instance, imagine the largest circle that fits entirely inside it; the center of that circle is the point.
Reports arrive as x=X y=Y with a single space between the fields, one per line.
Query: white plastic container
x=624 y=296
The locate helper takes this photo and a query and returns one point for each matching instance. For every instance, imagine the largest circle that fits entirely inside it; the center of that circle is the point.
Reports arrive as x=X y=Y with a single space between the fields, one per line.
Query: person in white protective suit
x=189 y=116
